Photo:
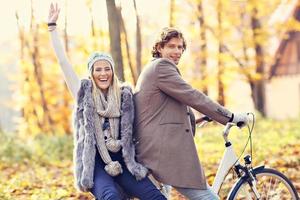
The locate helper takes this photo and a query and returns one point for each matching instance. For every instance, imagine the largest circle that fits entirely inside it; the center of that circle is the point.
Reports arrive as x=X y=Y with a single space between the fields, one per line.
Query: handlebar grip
x=206 y=118
x=202 y=119
x=240 y=124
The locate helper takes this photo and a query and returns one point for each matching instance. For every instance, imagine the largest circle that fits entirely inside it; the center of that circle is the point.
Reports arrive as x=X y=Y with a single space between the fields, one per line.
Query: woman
x=104 y=152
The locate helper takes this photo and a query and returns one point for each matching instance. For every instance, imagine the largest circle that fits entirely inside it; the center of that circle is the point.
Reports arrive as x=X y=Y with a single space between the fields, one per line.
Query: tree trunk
x=66 y=39
x=21 y=38
x=31 y=15
x=172 y=8
x=221 y=95
x=259 y=86
x=138 y=42
x=23 y=45
x=66 y=101
x=115 y=37
x=38 y=73
x=44 y=124
x=93 y=29
x=246 y=57
x=203 y=47
x=123 y=29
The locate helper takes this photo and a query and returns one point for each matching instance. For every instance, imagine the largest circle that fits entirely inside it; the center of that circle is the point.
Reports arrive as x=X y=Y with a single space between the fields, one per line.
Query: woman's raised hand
x=53 y=13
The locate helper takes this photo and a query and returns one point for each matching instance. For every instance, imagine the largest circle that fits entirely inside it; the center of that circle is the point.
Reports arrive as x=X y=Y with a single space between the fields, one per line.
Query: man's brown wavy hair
x=165 y=36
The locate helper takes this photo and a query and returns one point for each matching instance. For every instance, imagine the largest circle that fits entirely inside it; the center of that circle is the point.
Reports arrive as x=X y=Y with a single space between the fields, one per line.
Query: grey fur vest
x=85 y=141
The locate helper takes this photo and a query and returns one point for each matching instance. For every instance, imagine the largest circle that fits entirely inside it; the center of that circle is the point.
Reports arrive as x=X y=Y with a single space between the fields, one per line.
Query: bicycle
x=258 y=183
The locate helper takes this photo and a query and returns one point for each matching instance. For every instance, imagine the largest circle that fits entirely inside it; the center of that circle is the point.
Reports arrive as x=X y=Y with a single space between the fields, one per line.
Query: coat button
x=187 y=130
x=188 y=113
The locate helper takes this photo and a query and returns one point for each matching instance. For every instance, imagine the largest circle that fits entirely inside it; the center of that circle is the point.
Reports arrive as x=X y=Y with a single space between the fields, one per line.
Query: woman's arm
x=70 y=76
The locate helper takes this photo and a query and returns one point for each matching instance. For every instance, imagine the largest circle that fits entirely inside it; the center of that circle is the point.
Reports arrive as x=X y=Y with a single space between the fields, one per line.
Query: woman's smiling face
x=102 y=75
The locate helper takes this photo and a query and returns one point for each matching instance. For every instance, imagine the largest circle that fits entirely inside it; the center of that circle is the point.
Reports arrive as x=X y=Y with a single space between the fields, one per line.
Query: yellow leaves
x=292 y=24
x=89 y=3
x=25 y=66
x=39 y=182
x=46 y=171
x=38 y=101
x=256 y=76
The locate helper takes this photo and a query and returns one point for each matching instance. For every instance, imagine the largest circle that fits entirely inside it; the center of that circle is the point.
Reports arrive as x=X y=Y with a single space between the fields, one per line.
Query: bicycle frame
x=246 y=173
x=228 y=160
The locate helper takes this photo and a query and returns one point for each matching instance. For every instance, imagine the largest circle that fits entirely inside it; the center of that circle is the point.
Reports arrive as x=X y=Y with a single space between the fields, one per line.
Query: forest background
x=230 y=48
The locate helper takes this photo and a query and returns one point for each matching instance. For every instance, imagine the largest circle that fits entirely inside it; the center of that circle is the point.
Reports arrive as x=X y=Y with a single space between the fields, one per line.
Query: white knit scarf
x=107 y=140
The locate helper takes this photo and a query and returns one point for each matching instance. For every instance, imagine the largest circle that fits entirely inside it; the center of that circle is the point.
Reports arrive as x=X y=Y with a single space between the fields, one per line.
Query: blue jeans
x=106 y=187
x=195 y=194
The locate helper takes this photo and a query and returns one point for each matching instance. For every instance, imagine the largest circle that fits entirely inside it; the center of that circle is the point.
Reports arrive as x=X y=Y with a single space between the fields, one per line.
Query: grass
x=275 y=144
x=268 y=138
x=41 y=167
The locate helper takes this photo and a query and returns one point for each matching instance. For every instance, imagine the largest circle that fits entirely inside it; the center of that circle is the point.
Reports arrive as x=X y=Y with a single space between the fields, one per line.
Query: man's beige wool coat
x=163 y=132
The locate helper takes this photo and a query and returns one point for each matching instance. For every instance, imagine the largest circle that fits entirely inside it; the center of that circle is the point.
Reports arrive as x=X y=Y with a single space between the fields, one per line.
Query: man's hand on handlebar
x=240 y=119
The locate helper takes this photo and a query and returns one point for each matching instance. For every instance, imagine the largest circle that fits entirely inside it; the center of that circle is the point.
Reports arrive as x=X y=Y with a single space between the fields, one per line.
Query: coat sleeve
x=70 y=76
x=170 y=82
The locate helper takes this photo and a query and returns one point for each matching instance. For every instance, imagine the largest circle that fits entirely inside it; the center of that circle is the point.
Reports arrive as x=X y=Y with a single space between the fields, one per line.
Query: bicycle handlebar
x=203 y=119
x=226 y=130
x=227 y=127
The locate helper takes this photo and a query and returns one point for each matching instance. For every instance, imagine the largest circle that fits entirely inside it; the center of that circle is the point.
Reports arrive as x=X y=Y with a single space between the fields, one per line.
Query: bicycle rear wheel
x=270 y=185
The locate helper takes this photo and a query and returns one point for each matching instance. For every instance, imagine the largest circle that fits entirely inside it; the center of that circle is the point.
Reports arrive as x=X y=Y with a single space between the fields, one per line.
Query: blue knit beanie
x=100 y=56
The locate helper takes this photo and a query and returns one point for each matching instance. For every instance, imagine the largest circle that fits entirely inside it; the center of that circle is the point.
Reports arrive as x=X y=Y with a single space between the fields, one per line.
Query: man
x=164 y=135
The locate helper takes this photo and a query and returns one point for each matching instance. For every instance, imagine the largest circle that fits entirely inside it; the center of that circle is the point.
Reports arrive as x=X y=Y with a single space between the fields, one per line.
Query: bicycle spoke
x=276 y=188
x=264 y=191
x=270 y=185
x=269 y=188
x=247 y=193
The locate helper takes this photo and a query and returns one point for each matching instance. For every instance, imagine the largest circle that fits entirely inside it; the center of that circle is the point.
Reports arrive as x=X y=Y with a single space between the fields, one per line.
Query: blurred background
x=245 y=54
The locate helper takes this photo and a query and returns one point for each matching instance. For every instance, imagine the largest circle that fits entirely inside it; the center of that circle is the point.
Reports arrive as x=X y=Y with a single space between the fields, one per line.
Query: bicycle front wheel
x=270 y=185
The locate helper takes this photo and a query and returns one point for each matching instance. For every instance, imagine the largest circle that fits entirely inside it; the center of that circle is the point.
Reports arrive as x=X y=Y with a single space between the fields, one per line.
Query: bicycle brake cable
x=250 y=135
x=250 y=130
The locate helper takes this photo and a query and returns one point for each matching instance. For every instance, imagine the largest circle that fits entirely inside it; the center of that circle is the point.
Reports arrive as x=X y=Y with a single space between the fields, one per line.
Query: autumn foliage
x=227 y=41
x=41 y=167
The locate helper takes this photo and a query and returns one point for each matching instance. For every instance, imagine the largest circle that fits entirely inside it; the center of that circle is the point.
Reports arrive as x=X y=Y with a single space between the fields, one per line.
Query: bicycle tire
x=271 y=185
